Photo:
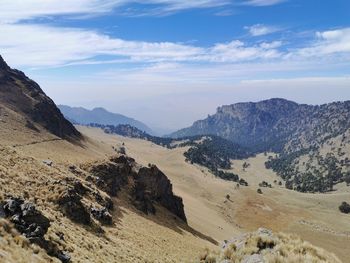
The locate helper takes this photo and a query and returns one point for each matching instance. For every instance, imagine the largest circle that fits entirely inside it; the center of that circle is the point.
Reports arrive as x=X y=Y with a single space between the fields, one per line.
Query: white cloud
x=237 y=51
x=263 y=2
x=260 y=30
x=16 y=10
x=39 y=46
x=34 y=45
x=327 y=43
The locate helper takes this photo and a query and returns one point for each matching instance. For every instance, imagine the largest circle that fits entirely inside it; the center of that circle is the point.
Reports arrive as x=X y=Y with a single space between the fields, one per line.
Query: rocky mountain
x=83 y=116
x=23 y=96
x=312 y=142
x=274 y=124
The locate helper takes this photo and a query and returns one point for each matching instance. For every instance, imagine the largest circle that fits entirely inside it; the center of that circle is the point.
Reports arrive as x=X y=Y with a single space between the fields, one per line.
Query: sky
x=170 y=62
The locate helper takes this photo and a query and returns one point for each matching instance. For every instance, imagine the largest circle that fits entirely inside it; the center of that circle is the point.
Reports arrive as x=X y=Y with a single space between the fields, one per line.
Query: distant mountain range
x=101 y=116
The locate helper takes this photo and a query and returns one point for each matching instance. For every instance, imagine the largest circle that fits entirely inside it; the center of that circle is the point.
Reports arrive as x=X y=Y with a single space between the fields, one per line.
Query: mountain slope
x=274 y=124
x=99 y=116
x=23 y=97
x=61 y=201
x=312 y=142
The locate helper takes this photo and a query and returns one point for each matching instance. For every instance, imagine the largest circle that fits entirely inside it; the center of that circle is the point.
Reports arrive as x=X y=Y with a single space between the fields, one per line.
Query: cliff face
x=274 y=124
x=24 y=96
x=147 y=187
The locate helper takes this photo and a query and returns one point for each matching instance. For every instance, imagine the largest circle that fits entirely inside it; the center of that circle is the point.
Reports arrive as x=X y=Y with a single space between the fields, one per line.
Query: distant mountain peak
x=100 y=115
x=101 y=109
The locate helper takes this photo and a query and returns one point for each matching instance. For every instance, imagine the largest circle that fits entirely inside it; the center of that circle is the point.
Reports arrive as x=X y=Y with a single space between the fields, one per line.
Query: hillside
x=312 y=142
x=64 y=196
x=211 y=151
x=78 y=198
x=221 y=209
x=83 y=116
x=24 y=100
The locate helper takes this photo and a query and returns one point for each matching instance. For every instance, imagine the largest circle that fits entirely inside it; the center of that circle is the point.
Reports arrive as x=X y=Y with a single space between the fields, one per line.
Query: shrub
x=344 y=208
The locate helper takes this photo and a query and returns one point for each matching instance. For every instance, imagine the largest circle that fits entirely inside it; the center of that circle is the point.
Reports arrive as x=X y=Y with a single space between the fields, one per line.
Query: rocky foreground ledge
x=264 y=246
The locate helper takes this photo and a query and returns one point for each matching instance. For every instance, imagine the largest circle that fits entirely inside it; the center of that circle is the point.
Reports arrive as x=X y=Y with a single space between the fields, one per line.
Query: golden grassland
x=314 y=217
x=136 y=237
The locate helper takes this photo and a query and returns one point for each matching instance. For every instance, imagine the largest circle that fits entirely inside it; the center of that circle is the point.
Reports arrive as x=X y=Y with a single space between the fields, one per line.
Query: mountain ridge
x=265 y=125
x=23 y=96
x=100 y=115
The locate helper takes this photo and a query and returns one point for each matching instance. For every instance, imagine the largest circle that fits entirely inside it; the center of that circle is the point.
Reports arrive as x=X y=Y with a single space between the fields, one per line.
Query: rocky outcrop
x=146 y=186
x=27 y=220
x=24 y=96
x=72 y=206
x=32 y=224
x=112 y=176
x=152 y=186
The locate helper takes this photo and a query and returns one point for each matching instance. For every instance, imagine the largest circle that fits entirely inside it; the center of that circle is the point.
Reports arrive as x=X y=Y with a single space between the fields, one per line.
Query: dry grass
x=278 y=209
x=131 y=239
x=279 y=248
x=15 y=248
x=139 y=238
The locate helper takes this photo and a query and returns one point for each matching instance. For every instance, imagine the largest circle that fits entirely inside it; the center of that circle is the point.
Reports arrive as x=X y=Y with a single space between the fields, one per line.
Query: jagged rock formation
x=264 y=246
x=146 y=186
x=153 y=186
x=24 y=96
x=100 y=116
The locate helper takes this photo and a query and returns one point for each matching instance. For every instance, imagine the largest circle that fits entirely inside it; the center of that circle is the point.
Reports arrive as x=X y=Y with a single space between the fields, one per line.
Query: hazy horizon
x=170 y=63
x=165 y=130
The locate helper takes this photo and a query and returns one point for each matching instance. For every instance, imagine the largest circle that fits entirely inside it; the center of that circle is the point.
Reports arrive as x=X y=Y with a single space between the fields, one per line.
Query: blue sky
x=170 y=62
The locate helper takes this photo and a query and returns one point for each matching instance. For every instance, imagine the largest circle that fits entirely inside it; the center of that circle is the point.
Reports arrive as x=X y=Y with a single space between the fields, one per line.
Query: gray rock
x=48 y=162
x=255 y=258
x=102 y=215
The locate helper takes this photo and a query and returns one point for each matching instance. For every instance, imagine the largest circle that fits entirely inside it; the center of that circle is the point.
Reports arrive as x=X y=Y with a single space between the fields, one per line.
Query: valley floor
x=212 y=217
x=315 y=217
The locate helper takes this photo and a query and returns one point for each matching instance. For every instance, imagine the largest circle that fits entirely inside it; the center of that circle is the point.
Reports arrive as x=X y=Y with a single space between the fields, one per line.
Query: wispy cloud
x=327 y=43
x=263 y=2
x=16 y=10
x=260 y=29
x=41 y=46
x=38 y=46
